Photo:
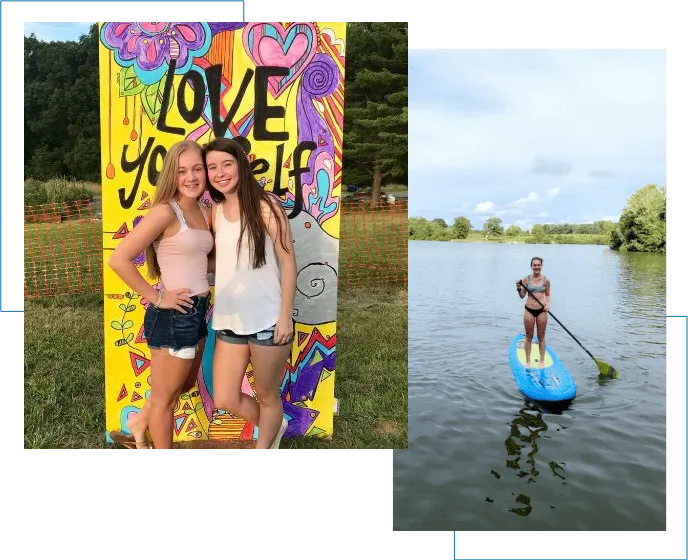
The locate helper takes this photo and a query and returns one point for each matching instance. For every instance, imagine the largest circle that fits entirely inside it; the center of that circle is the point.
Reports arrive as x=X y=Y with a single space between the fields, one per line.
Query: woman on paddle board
x=537 y=306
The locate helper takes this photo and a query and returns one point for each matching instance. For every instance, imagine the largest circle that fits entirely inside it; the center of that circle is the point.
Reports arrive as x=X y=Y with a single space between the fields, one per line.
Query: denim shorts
x=262 y=338
x=169 y=328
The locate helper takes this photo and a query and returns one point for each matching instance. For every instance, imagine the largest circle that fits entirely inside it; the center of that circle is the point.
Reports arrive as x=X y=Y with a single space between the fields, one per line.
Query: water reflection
x=521 y=447
x=642 y=284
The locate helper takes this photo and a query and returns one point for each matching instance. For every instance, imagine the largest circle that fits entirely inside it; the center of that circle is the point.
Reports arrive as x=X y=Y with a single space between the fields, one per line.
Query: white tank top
x=247 y=300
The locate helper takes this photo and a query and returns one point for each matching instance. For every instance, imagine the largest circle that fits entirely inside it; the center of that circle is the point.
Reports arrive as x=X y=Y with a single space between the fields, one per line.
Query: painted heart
x=270 y=44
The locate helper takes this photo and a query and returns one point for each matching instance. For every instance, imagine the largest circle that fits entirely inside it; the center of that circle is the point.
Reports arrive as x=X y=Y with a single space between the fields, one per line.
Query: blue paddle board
x=552 y=383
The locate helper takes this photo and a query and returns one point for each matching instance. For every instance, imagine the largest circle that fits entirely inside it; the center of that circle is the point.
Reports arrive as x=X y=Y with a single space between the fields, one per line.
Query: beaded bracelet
x=161 y=294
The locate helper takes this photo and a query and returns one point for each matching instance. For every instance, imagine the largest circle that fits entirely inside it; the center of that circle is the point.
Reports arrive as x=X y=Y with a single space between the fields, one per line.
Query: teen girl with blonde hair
x=176 y=237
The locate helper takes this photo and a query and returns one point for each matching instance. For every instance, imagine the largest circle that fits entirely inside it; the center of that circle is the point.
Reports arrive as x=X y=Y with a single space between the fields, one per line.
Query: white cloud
x=591 y=109
x=484 y=207
x=517 y=207
x=484 y=124
x=612 y=218
x=532 y=197
x=543 y=215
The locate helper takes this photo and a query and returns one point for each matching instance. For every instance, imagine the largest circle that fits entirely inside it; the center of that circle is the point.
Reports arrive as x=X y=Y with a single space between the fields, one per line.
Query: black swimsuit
x=534 y=312
x=539 y=289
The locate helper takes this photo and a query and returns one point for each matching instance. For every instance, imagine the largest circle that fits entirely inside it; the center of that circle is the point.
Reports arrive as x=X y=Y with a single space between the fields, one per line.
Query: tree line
x=641 y=227
x=62 y=114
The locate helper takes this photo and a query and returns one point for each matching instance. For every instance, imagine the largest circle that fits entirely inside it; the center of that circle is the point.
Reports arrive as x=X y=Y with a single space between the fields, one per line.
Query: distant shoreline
x=521 y=242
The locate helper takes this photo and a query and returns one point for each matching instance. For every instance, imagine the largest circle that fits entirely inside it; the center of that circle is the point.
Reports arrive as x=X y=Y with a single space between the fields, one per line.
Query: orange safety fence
x=63 y=247
x=373 y=244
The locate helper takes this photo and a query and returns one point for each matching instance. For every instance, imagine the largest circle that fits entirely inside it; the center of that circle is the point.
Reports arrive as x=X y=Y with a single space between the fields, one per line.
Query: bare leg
x=529 y=324
x=137 y=424
x=168 y=374
x=541 y=326
x=229 y=366
x=268 y=368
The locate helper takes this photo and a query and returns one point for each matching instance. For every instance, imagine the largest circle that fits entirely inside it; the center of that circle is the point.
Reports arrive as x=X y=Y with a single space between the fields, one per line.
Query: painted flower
x=150 y=46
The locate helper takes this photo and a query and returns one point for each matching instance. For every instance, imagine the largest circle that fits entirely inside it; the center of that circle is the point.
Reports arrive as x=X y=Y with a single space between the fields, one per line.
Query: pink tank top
x=183 y=257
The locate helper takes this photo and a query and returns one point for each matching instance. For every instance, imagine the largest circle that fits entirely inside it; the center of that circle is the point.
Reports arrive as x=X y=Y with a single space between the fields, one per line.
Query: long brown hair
x=250 y=195
x=166 y=189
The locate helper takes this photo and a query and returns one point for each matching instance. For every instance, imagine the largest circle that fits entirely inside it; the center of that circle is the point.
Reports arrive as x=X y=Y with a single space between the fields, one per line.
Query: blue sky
x=57 y=31
x=534 y=136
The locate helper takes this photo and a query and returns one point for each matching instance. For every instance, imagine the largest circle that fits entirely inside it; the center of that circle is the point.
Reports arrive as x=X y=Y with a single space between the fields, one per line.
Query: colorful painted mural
x=279 y=89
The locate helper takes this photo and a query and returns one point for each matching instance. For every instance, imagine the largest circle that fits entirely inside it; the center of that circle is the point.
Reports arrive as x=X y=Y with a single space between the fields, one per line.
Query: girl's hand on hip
x=284 y=330
x=176 y=299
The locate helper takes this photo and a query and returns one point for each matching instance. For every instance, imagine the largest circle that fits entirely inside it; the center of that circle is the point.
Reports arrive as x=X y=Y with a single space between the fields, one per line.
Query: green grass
x=64 y=373
x=563 y=239
x=395 y=188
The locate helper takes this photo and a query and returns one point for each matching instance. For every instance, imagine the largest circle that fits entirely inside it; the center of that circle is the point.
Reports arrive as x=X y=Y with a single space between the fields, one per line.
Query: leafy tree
x=421 y=228
x=642 y=225
x=61 y=108
x=493 y=226
x=461 y=227
x=513 y=231
x=606 y=227
x=615 y=239
x=538 y=234
x=376 y=99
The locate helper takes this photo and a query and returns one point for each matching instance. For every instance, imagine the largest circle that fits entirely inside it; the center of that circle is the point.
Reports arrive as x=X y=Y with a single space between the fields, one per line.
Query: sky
x=529 y=136
x=57 y=31
x=534 y=137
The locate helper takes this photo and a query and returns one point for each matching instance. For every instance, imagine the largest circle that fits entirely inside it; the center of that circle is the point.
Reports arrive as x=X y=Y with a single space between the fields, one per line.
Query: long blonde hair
x=166 y=189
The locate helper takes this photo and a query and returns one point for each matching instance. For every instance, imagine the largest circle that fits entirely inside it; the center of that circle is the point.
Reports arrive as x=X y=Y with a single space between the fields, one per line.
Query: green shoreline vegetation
x=641 y=227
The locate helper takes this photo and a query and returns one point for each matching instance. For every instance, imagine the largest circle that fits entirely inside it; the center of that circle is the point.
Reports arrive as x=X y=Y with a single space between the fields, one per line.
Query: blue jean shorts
x=169 y=328
x=265 y=337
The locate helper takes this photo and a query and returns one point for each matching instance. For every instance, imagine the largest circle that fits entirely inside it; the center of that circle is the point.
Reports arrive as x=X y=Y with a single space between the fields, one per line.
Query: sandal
x=128 y=440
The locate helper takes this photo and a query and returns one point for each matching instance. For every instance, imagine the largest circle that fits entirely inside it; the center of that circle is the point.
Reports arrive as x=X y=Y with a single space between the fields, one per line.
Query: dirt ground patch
x=389 y=428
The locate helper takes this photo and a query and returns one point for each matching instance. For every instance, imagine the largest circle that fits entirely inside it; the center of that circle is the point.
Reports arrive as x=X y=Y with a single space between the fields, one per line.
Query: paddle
x=605 y=369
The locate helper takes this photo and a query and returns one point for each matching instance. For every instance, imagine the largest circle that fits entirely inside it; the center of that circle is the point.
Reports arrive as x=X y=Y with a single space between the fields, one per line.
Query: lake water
x=482 y=458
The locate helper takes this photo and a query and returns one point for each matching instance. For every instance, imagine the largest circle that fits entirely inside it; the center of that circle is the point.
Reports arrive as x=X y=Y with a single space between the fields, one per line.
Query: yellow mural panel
x=279 y=89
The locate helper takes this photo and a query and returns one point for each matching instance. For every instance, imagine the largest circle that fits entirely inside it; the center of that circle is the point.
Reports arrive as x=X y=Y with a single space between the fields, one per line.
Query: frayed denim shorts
x=265 y=337
x=169 y=328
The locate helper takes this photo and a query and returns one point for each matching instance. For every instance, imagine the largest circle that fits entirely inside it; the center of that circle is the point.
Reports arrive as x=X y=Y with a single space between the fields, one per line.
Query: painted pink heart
x=270 y=44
